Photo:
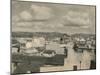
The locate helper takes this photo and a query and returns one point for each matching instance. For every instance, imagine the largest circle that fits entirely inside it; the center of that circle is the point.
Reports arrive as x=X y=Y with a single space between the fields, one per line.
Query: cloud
x=47 y=17
x=41 y=12
x=15 y=18
x=35 y=13
x=77 y=18
x=85 y=27
x=25 y=15
x=28 y=24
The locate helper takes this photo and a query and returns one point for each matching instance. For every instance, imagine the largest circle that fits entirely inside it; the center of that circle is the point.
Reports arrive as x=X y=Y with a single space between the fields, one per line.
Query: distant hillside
x=38 y=34
x=83 y=35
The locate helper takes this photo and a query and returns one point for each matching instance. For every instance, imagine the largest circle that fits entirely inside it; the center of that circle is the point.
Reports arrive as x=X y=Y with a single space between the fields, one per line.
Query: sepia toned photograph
x=52 y=37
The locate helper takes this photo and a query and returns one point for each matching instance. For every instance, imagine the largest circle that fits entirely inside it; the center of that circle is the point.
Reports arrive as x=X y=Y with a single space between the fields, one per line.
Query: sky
x=52 y=17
